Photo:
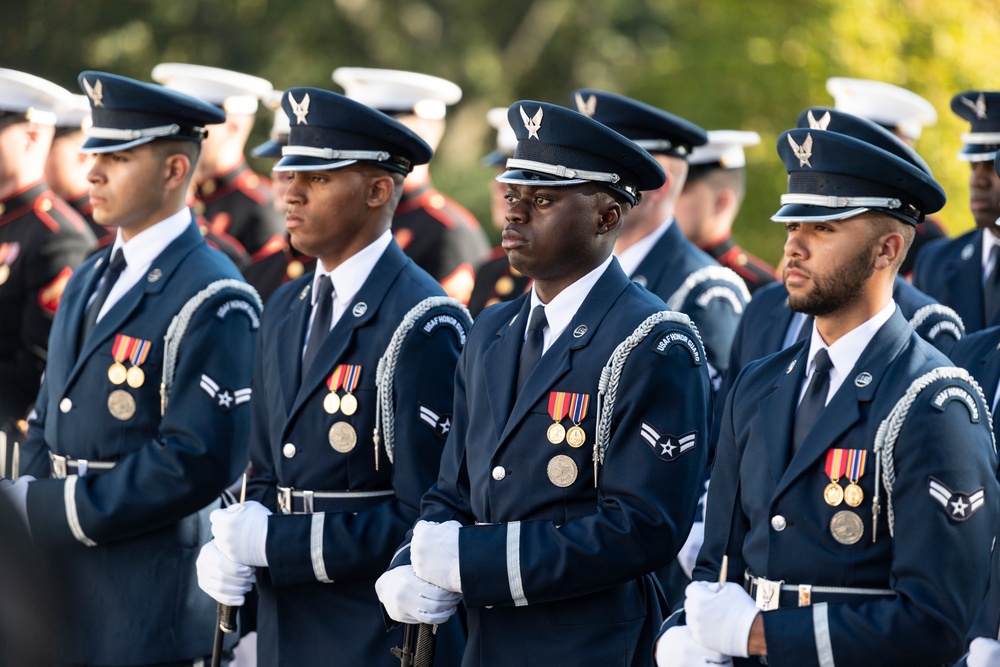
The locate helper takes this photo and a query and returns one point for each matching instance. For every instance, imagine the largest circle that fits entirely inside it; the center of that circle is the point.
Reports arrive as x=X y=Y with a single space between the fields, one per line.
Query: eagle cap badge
x=534 y=124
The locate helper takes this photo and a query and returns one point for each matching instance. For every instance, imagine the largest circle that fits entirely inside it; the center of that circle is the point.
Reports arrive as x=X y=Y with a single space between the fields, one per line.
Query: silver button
x=778 y=522
x=499 y=473
x=288 y=450
x=65 y=405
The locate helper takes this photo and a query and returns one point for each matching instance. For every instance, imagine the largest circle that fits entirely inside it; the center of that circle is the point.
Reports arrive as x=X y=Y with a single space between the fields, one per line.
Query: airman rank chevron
x=441 y=423
x=224 y=399
x=665 y=446
x=958 y=506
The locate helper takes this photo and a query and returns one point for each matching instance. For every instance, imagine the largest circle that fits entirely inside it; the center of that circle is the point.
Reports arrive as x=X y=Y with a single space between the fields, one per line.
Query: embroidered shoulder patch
x=956 y=393
x=957 y=505
x=224 y=399
x=440 y=423
x=445 y=321
x=671 y=338
x=666 y=446
x=239 y=306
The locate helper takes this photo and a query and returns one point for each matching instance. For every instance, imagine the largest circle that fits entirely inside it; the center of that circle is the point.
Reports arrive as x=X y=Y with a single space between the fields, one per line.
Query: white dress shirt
x=562 y=309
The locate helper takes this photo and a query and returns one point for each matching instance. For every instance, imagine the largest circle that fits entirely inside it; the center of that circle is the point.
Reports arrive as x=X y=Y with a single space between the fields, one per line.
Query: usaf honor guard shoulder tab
x=956 y=393
x=679 y=337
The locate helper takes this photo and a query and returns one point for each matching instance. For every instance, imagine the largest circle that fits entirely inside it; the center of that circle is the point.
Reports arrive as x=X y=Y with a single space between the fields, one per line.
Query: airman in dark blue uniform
x=572 y=471
x=964 y=273
x=366 y=343
x=652 y=248
x=854 y=491
x=143 y=417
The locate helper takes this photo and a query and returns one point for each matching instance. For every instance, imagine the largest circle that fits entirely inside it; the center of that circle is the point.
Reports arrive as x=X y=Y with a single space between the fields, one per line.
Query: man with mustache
x=964 y=273
x=572 y=470
x=853 y=493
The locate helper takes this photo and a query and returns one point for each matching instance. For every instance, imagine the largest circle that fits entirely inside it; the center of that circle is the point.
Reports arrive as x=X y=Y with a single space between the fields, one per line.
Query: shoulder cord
x=678 y=298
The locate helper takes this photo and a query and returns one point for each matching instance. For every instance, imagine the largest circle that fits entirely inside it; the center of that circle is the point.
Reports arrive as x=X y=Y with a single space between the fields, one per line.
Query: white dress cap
x=396 y=91
x=234 y=92
x=34 y=97
x=882 y=103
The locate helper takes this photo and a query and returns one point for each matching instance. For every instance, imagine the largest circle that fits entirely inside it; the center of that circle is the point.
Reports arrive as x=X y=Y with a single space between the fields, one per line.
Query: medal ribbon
x=9 y=252
x=578 y=407
x=124 y=346
x=353 y=375
x=836 y=463
x=856 y=459
x=336 y=379
x=139 y=352
x=558 y=405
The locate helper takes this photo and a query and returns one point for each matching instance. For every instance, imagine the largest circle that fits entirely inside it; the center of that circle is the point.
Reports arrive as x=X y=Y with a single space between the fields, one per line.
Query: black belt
x=775 y=594
x=303 y=501
x=61 y=465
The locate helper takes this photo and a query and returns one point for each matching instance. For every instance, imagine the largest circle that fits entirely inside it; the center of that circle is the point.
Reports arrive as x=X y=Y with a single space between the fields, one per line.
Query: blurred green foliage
x=725 y=64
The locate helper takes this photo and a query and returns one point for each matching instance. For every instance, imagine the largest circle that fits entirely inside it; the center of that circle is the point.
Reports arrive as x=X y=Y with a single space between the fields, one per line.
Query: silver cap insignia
x=821 y=124
x=979 y=106
x=532 y=125
x=803 y=152
x=300 y=109
x=95 y=92
x=588 y=107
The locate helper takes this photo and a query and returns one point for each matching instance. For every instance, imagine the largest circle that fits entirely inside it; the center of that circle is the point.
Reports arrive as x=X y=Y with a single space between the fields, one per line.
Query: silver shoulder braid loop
x=178 y=327
x=607 y=388
x=385 y=417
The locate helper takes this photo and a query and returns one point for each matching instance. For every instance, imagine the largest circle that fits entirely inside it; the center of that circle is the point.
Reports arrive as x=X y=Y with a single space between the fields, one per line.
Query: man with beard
x=853 y=494
x=549 y=532
x=964 y=273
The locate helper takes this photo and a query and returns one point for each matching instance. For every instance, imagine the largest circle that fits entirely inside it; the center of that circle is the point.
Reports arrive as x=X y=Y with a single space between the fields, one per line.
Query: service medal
x=4 y=273
x=331 y=403
x=836 y=466
x=846 y=527
x=348 y=404
x=117 y=373
x=342 y=437
x=8 y=253
x=562 y=470
x=833 y=494
x=853 y=495
x=346 y=376
x=558 y=408
x=856 y=459
x=578 y=403
x=121 y=405
x=135 y=377
x=504 y=286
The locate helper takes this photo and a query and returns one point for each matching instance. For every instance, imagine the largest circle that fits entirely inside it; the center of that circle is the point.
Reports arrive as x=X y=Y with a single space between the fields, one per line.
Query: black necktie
x=991 y=290
x=531 y=352
x=111 y=274
x=814 y=400
x=320 y=328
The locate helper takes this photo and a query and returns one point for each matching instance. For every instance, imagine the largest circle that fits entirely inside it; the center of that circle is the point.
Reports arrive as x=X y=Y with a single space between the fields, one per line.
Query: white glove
x=17 y=494
x=434 y=554
x=983 y=652
x=227 y=582
x=409 y=599
x=688 y=555
x=241 y=533
x=720 y=616
x=677 y=648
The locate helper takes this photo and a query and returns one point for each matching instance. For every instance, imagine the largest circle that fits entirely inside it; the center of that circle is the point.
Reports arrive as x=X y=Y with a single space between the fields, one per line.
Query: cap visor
x=306 y=163
x=94 y=145
x=271 y=149
x=807 y=213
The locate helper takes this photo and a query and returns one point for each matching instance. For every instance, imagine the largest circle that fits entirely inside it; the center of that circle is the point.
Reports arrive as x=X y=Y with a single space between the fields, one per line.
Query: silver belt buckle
x=285 y=499
x=805 y=595
x=768 y=594
x=307 y=502
x=58 y=466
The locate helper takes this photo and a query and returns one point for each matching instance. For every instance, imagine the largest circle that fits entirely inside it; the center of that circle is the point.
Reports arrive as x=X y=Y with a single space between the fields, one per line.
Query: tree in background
x=725 y=64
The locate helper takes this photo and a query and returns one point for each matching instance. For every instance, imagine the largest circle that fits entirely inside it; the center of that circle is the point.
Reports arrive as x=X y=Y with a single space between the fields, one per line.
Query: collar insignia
x=300 y=109
x=532 y=125
x=803 y=152
x=588 y=107
x=979 y=106
x=821 y=124
x=95 y=92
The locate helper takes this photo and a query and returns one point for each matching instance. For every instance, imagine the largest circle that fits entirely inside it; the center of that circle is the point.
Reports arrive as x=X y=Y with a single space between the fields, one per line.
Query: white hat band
x=128 y=135
x=981 y=138
x=830 y=201
x=331 y=154
x=562 y=171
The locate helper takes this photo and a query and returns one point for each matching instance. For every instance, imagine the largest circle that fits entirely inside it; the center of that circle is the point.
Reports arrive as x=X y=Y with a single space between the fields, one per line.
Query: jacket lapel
x=160 y=272
x=665 y=253
x=967 y=286
x=557 y=360
x=844 y=409
x=502 y=359
x=362 y=310
x=290 y=352
x=782 y=401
